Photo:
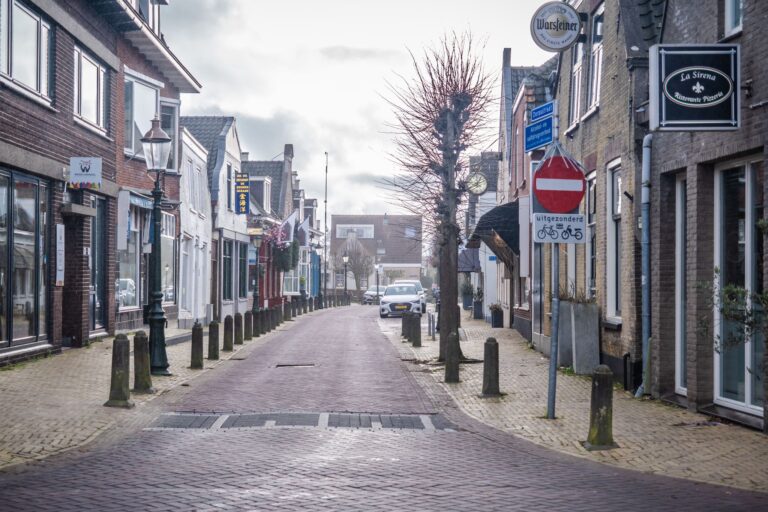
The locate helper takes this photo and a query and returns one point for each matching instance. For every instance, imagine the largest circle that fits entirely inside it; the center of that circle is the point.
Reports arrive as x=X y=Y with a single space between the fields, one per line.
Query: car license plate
x=400 y=307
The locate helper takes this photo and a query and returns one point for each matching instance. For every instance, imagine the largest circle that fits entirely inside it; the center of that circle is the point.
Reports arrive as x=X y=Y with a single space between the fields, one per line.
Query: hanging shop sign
x=555 y=26
x=694 y=87
x=242 y=194
x=85 y=172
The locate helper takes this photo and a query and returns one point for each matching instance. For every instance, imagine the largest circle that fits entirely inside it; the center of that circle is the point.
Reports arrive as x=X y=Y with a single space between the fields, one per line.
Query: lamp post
x=345 y=258
x=157 y=148
x=256 y=241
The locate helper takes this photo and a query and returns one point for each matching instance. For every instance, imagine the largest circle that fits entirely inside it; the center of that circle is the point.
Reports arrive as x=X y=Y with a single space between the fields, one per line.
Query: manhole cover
x=203 y=421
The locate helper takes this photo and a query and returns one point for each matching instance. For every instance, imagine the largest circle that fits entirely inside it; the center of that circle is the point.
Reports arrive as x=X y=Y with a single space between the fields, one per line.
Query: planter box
x=477 y=310
x=497 y=319
x=466 y=302
x=579 y=336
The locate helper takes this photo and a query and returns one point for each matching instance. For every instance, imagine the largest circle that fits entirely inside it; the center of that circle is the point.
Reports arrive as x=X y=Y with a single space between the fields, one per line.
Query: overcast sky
x=313 y=73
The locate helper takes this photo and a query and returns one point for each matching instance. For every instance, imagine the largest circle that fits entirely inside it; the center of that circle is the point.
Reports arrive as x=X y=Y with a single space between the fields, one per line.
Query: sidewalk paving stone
x=54 y=404
x=653 y=437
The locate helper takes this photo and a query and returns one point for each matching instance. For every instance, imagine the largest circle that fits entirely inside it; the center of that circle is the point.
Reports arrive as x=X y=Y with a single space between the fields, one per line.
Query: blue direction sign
x=542 y=111
x=539 y=134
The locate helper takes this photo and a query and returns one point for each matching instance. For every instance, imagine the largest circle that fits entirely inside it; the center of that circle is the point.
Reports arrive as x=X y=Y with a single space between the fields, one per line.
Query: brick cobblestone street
x=273 y=428
x=653 y=437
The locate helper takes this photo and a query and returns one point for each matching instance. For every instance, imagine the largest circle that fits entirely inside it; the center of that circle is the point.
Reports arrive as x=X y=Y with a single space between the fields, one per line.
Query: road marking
x=426 y=420
x=219 y=422
x=323 y=421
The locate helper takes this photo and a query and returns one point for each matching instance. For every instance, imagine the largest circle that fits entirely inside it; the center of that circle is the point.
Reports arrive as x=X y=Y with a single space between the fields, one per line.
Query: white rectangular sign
x=59 y=254
x=566 y=228
x=85 y=172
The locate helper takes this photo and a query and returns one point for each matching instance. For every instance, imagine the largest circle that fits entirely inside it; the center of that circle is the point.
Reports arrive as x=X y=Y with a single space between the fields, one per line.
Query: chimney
x=244 y=156
x=288 y=151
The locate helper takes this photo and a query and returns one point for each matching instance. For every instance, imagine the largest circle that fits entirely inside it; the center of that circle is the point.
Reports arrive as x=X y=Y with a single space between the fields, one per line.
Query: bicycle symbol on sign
x=572 y=232
x=547 y=231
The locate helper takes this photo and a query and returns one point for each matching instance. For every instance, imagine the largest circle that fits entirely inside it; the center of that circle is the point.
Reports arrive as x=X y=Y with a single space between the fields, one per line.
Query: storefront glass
x=23 y=260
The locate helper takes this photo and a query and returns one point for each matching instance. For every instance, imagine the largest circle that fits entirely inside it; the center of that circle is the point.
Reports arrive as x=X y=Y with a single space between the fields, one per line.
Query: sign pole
x=553 y=345
x=554 y=338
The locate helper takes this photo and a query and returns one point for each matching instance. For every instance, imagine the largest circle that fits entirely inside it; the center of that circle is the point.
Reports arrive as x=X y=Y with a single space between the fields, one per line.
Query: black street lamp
x=346 y=260
x=157 y=148
x=256 y=241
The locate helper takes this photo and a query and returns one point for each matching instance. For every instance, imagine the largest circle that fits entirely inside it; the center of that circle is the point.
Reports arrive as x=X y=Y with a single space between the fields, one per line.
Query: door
x=739 y=258
x=98 y=304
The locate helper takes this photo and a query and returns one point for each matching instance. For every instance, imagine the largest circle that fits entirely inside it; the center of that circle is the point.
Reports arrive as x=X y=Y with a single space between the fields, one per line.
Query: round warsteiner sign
x=559 y=184
x=555 y=26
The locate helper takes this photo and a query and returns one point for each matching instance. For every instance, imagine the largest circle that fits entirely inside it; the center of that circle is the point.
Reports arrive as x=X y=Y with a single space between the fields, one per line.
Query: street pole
x=156 y=317
x=255 y=307
x=554 y=337
x=345 y=279
x=324 y=277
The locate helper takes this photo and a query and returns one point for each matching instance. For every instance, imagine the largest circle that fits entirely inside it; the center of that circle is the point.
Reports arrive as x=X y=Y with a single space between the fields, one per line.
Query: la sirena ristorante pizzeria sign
x=694 y=87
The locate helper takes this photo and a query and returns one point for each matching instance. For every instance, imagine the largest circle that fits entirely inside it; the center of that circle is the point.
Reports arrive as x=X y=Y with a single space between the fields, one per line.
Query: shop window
x=226 y=263
x=25 y=47
x=596 y=57
x=141 y=107
x=168 y=257
x=23 y=260
x=229 y=187
x=91 y=90
x=128 y=263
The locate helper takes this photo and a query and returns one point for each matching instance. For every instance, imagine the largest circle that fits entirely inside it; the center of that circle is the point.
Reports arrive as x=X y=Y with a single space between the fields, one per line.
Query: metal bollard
x=229 y=334
x=311 y=304
x=416 y=339
x=238 y=329
x=458 y=315
x=601 y=411
x=286 y=312
x=491 y=368
x=142 y=377
x=255 y=327
x=197 y=347
x=213 y=341
x=247 y=325
x=452 y=358
x=305 y=306
x=403 y=326
x=119 y=394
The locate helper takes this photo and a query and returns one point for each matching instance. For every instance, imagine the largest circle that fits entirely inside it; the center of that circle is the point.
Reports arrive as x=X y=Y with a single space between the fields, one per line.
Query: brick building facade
x=62 y=86
x=708 y=198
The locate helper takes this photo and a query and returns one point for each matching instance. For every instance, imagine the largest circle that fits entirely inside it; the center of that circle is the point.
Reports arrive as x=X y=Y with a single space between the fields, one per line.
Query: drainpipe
x=645 y=212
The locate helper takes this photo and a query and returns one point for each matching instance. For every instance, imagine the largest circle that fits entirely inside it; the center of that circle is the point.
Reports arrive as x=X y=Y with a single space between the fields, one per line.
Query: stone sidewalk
x=68 y=391
x=653 y=437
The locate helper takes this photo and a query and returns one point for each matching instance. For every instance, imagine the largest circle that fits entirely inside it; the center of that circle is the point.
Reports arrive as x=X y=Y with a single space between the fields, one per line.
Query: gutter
x=645 y=212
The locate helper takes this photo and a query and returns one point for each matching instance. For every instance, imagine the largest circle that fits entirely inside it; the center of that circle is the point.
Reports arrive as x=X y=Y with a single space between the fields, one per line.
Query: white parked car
x=399 y=299
x=419 y=289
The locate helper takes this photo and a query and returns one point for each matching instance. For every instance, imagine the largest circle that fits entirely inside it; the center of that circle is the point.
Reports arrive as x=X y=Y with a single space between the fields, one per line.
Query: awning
x=469 y=260
x=499 y=229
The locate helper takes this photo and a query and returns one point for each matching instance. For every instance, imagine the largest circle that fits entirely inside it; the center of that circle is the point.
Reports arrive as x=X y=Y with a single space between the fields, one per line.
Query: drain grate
x=295 y=365
x=353 y=420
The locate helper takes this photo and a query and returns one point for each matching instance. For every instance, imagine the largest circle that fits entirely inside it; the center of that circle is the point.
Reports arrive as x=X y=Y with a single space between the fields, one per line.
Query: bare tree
x=440 y=112
x=360 y=261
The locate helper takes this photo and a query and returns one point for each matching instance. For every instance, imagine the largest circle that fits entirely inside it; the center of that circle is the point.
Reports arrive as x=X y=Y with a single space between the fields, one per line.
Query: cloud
x=346 y=53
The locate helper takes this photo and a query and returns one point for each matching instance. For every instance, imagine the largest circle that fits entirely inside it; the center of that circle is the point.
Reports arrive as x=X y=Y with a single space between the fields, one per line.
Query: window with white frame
x=356 y=230
x=733 y=16
x=596 y=57
x=267 y=195
x=128 y=281
x=141 y=106
x=191 y=178
x=242 y=271
x=91 y=90
x=226 y=263
x=591 y=245
x=168 y=257
x=169 y=122
x=577 y=61
x=25 y=47
x=614 y=236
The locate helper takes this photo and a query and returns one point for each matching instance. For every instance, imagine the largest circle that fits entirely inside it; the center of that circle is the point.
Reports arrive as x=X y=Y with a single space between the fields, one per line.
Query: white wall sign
x=85 y=172
x=59 y=254
x=555 y=26
x=569 y=228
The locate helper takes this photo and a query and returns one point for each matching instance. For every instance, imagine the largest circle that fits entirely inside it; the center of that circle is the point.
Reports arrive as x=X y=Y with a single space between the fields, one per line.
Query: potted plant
x=477 y=305
x=497 y=315
x=466 y=294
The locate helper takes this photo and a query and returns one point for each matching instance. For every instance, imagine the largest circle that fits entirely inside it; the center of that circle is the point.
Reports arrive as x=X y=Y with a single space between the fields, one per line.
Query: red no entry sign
x=559 y=184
